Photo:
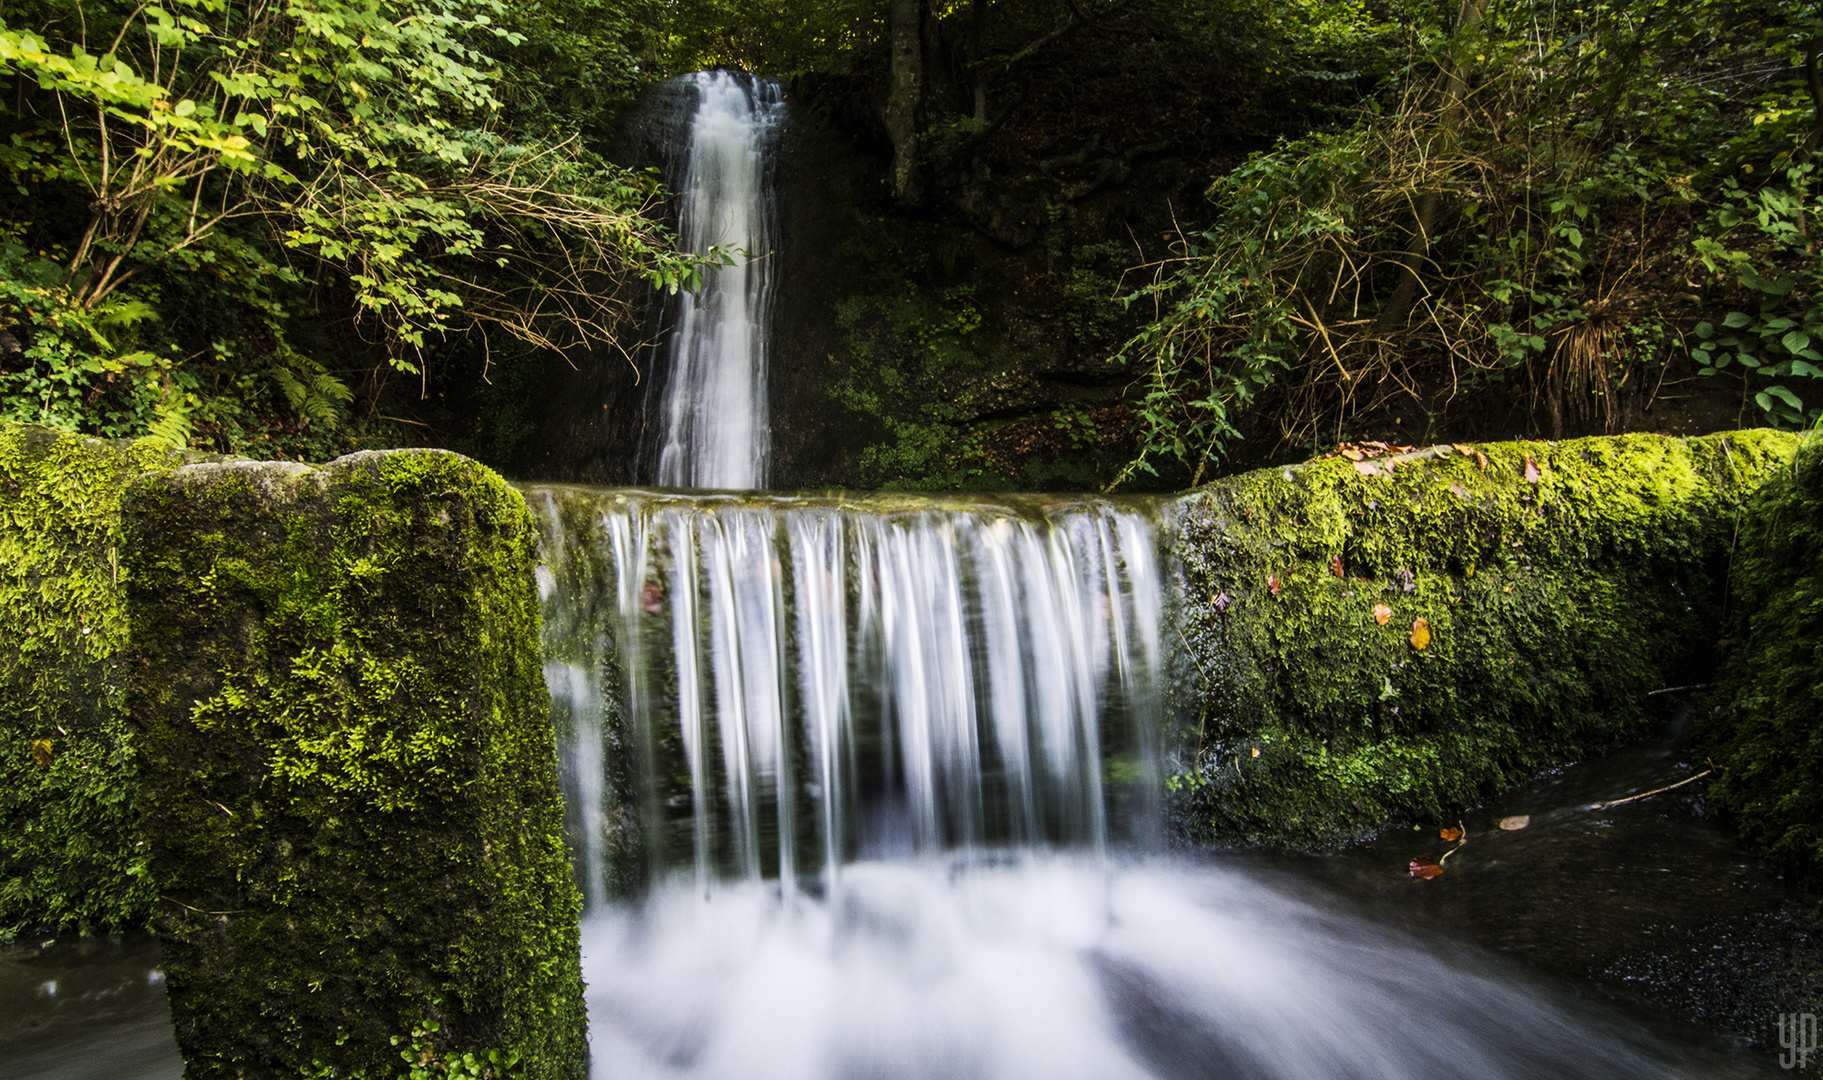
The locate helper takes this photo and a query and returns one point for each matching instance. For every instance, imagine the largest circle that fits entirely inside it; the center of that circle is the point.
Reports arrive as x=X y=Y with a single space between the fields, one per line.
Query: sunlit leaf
x=1382 y=614
x=1421 y=633
x=1531 y=470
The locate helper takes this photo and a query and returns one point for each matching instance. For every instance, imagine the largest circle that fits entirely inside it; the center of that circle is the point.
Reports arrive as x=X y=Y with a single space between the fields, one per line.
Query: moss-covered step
x=1394 y=639
x=347 y=773
x=69 y=856
x=1765 y=723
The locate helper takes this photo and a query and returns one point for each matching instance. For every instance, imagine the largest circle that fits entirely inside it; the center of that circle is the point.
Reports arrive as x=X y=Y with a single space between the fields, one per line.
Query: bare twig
x=1655 y=791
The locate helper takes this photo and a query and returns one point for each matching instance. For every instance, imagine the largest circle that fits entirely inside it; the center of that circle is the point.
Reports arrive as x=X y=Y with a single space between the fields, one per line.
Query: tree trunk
x=904 y=98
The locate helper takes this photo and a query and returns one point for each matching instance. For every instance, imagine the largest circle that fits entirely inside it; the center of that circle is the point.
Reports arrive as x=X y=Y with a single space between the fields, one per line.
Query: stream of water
x=883 y=766
x=715 y=429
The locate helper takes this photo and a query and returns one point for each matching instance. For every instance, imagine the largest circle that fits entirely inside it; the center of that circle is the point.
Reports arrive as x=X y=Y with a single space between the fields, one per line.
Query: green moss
x=1767 y=728
x=1553 y=608
x=68 y=853
x=347 y=771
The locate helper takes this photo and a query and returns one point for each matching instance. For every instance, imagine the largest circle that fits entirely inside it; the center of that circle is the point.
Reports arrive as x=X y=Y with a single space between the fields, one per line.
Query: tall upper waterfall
x=714 y=428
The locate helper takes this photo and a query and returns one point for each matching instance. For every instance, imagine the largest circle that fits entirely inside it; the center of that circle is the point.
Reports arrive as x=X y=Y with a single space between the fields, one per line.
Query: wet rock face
x=1368 y=644
x=1765 y=723
x=347 y=776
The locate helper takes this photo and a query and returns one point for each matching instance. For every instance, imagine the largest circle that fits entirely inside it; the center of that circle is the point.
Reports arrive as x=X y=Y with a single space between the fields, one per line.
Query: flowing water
x=714 y=430
x=883 y=766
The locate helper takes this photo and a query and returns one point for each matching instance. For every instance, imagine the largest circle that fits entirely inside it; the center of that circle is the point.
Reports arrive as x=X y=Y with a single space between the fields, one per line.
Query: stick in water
x=1655 y=791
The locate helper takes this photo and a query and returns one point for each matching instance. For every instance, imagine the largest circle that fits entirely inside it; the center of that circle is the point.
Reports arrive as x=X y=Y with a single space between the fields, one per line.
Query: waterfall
x=713 y=429
x=809 y=681
x=861 y=769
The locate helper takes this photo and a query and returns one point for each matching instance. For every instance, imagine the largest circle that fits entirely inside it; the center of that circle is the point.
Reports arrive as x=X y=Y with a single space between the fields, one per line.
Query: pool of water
x=1632 y=940
x=85 y=1009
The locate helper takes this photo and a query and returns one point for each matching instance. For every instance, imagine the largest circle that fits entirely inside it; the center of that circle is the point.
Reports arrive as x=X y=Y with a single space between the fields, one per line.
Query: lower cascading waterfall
x=866 y=788
x=804 y=681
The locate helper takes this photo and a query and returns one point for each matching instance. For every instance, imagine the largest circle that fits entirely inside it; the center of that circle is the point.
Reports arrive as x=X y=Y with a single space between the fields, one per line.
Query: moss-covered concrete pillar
x=347 y=772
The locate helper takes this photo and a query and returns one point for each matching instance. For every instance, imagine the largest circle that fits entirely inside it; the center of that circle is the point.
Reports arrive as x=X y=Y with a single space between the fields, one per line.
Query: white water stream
x=887 y=767
x=715 y=430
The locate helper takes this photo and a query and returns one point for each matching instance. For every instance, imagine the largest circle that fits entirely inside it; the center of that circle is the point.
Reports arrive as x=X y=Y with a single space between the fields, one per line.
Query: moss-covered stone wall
x=69 y=856
x=1557 y=584
x=348 y=778
x=1765 y=723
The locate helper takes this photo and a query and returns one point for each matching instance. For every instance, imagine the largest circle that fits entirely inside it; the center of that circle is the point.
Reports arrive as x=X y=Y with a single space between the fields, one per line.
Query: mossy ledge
x=69 y=855
x=1765 y=727
x=1553 y=605
x=347 y=773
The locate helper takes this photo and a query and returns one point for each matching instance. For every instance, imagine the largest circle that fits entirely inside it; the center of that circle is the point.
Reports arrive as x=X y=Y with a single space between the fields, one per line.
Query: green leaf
x=1795 y=341
x=1737 y=320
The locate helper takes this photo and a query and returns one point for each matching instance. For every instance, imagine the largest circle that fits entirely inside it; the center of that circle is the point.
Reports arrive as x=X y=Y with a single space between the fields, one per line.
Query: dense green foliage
x=1551 y=608
x=347 y=774
x=1764 y=729
x=230 y=221
x=69 y=853
x=1542 y=196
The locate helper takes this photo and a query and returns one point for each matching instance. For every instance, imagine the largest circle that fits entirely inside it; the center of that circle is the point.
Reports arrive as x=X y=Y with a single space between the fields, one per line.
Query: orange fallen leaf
x=1463 y=448
x=1256 y=751
x=1424 y=868
x=1272 y=584
x=1531 y=470
x=1421 y=633
x=1382 y=614
x=1451 y=835
x=1336 y=567
x=1352 y=454
x=1516 y=822
x=41 y=752
x=1481 y=459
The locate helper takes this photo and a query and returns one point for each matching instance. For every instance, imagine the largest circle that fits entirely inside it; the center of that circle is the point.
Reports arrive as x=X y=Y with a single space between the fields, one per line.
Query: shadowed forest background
x=1055 y=245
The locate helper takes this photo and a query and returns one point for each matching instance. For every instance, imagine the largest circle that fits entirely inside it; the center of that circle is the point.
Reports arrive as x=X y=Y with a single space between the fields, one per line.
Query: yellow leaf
x=1450 y=834
x=1382 y=614
x=1421 y=633
x=41 y=752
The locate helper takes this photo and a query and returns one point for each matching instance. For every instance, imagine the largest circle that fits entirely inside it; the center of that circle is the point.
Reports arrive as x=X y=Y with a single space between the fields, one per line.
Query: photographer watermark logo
x=1798 y=1037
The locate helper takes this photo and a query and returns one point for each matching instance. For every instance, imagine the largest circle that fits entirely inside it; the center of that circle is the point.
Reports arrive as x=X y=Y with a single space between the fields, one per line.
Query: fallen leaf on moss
x=1382 y=614
x=41 y=752
x=1421 y=633
x=1367 y=468
x=1352 y=454
x=1516 y=822
x=1272 y=584
x=1464 y=449
x=1481 y=459
x=1424 y=868
x=1256 y=751
x=1452 y=835
x=1531 y=470
x=1336 y=568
